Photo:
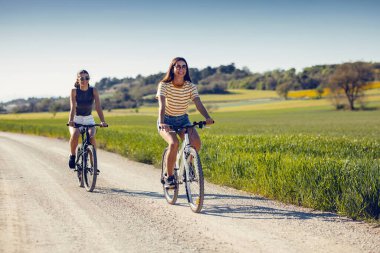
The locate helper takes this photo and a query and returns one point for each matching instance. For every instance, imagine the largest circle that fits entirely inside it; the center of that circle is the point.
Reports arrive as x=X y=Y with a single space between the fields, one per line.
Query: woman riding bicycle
x=82 y=98
x=174 y=94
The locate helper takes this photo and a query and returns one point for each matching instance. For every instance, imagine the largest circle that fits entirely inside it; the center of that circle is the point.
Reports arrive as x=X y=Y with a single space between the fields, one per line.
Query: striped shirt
x=177 y=99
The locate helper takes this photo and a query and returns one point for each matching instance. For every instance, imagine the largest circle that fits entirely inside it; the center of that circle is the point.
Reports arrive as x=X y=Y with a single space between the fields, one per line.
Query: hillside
x=134 y=92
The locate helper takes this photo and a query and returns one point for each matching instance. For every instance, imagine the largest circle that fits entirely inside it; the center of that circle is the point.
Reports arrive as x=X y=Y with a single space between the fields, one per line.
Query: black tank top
x=85 y=99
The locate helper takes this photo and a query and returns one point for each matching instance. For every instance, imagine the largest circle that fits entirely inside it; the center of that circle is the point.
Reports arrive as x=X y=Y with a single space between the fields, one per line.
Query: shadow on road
x=132 y=193
x=254 y=211
x=115 y=191
x=217 y=205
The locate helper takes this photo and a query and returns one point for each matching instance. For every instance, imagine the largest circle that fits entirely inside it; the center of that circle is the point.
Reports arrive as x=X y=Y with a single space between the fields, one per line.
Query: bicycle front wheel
x=79 y=164
x=90 y=169
x=171 y=194
x=194 y=182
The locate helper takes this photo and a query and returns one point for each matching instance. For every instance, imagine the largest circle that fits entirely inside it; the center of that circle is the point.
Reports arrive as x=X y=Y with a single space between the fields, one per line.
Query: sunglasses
x=180 y=67
x=85 y=78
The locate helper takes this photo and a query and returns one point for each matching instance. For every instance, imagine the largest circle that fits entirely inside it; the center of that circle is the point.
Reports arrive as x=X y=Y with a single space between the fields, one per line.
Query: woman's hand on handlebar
x=209 y=121
x=103 y=124
x=164 y=127
x=71 y=123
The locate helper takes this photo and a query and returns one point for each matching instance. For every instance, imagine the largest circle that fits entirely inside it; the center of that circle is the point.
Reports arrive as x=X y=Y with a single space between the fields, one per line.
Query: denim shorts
x=176 y=121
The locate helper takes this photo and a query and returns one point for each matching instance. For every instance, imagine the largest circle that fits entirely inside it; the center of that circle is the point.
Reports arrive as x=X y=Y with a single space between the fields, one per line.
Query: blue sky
x=44 y=43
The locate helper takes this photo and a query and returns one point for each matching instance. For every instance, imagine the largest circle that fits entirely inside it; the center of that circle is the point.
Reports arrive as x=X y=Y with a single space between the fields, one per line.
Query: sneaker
x=72 y=162
x=169 y=182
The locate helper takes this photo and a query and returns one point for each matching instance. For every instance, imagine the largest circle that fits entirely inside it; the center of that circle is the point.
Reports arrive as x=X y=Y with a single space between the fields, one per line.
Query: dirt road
x=43 y=210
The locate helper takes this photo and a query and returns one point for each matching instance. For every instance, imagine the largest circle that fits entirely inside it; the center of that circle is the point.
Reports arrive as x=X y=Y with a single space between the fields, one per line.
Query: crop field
x=298 y=151
x=239 y=95
x=370 y=88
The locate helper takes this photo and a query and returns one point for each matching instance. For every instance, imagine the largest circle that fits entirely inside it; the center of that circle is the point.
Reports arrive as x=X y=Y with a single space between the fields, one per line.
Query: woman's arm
x=161 y=113
x=198 y=103
x=98 y=107
x=72 y=107
x=161 y=108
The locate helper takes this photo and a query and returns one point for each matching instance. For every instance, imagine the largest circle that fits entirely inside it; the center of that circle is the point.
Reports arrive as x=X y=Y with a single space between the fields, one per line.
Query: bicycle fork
x=79 y=166
x=180 y=163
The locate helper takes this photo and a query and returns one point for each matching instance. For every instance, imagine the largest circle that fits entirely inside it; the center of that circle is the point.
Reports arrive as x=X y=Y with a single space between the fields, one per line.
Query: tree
x=2 y=109
x=208 y=71
x=228 y=69
x=376 y=70
x=284 y=88
x=287 y=81
x=350 y=79
x=54 y=108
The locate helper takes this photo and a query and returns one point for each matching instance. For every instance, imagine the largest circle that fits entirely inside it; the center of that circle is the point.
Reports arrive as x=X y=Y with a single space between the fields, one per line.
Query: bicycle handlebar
x=200 y=124
x=81 y=125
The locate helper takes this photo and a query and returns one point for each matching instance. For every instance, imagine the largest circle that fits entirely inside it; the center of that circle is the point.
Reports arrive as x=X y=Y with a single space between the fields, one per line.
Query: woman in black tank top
x=82 y=98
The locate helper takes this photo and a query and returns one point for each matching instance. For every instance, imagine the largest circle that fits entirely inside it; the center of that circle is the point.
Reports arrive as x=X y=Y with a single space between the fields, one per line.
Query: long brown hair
x=170 y=73
x=76 y=85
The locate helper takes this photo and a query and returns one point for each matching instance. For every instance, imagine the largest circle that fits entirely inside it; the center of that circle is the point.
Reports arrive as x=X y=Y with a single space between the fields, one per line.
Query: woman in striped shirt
x=174 y=94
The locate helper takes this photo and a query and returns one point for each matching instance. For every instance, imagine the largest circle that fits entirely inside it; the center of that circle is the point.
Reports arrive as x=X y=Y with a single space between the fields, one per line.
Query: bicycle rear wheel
x=90 y=169
x=79 y=164
x=171 y=194
x=194 y=182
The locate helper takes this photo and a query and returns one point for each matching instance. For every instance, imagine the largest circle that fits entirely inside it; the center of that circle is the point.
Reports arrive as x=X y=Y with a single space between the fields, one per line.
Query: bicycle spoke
x=192 y=177
x=86 y=163
x=170 y=194
x=90 y=169
x=79 y=165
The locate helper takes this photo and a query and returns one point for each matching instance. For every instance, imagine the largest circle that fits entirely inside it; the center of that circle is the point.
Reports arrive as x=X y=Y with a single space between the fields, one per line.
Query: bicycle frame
x=83 y=129
x=187 y=172
x=181 y=155
x=85 y=142
x=87 y=170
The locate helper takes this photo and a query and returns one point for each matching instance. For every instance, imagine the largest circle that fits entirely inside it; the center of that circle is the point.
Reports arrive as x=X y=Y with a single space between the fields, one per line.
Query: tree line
x=133 y=92
x=33 y=104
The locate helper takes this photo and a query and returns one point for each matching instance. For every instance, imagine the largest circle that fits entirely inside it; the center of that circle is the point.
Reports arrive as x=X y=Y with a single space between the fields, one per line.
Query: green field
x=298 y=151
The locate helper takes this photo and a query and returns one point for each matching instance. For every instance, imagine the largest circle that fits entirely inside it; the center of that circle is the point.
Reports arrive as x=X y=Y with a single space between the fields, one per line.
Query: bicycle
x=187 y=170
x=86 y=164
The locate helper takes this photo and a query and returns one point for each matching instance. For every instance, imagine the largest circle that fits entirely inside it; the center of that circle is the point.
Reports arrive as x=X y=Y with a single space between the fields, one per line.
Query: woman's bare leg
x=173 y=143
x=74 y=136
